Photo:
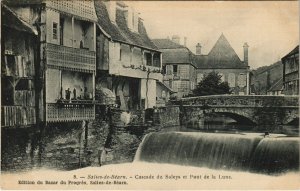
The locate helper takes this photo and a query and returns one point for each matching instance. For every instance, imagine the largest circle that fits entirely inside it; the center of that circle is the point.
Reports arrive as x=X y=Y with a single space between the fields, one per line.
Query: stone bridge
x=247 y=110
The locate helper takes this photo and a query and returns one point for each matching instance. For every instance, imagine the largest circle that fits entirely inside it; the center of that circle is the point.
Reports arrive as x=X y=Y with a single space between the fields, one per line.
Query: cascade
x=245 y=152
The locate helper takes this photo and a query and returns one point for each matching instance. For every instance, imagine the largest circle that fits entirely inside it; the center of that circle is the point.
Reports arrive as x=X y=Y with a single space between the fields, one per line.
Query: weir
x=239 y=152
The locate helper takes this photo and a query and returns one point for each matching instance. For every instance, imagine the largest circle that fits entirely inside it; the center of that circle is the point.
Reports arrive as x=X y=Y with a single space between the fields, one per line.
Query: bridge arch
x=240 y=119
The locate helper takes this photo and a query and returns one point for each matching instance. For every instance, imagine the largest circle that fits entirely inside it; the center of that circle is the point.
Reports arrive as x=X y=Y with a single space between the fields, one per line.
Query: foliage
x=211 y=84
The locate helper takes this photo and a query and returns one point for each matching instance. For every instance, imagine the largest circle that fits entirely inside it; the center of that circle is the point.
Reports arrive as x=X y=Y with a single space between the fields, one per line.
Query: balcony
x=74 y=59
x=15 y=116
x=69 y=112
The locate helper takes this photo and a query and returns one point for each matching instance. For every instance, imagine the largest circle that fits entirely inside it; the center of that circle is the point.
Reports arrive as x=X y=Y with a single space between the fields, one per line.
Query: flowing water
x=245 y=152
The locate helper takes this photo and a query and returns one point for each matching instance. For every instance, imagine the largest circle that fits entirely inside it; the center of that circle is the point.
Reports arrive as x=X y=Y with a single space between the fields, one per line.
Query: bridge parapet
x=241 y=101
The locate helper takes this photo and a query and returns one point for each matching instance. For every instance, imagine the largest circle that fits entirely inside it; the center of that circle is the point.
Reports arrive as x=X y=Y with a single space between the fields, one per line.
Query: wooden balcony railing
x=17 y=116
x=75 y=59
x=69 y=112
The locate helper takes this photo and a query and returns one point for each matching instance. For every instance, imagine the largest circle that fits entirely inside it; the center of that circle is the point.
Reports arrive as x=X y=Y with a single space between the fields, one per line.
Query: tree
x=211 y=84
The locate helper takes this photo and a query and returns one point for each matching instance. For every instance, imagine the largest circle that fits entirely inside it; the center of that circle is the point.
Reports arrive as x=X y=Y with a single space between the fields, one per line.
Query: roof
x=294 y=51
x=174 y=53
x=277 y=86
x=119 y=31
x=11 y=20
x=166 y=44
x=176 y=56
x=222 y=56
x=167 y=87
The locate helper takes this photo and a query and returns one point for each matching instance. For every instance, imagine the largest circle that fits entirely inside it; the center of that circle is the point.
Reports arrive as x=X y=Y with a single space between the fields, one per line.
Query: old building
x=178 y=66
x=128 y=63
x=19 y=57
x=291 y=72
x=223 y=59
x=66 y=64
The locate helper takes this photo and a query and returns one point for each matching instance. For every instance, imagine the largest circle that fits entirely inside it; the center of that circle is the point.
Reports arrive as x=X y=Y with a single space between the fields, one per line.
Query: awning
x=12 y=20
x=104 y=96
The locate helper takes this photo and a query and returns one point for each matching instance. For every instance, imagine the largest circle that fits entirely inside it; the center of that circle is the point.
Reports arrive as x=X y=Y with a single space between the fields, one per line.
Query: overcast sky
x=271 y=29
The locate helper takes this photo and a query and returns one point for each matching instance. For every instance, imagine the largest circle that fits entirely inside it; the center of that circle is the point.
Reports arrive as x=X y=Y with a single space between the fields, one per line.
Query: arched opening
x=227 y=121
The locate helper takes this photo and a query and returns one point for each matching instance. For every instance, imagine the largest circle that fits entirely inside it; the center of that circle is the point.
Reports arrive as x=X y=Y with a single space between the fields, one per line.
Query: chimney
x=111 y=7
x=198 y=49
x=185 y=39
x=246 y=53
x=176 y=39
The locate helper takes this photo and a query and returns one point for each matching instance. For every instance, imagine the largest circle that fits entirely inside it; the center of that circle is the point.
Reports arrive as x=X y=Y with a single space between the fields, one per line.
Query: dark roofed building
x=118 y=30
x=166 y=44
x=223 y=59
x=222 y=55
x=178 y=64
x=128 y=62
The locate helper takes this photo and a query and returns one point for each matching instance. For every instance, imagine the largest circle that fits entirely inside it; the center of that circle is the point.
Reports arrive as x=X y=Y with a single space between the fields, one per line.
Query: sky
x=271 y=28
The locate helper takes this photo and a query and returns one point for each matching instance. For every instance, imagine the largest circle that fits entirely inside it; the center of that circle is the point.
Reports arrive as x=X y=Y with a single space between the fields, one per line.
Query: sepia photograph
x=149 y=95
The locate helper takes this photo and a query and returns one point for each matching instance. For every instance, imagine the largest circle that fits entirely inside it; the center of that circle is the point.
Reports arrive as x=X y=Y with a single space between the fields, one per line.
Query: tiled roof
x=11 y=20
x=174 y=53
x=176 y=56
x=166 y=44
x=294 y=51
x=120 y=31
x=221 y=56
x=277 y=86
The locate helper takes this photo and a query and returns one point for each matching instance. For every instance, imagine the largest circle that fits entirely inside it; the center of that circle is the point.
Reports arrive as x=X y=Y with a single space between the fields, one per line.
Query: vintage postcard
x=149 y=95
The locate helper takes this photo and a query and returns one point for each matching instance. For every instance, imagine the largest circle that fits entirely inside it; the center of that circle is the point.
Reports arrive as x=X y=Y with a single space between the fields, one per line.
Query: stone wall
x=167 y=116
x=66 y=146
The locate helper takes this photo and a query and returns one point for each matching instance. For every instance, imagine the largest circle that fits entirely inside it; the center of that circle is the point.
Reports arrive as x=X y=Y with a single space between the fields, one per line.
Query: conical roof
x=221 y=56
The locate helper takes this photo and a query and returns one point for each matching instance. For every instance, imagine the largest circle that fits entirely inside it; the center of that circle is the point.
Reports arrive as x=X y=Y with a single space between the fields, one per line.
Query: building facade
x=223 y=59
x=17 y=70
x=66 y=64
x=291 y=72
x=128 y=63
x=178 y=66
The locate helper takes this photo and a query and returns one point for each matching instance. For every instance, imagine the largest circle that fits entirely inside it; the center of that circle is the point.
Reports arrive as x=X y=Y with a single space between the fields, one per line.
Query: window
x=169 y=70
x=156 y=60
x=242 y=80
x=54 y=30
x=175 y=67
x=231 y=80
x=148 y=59
x=164 y=69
